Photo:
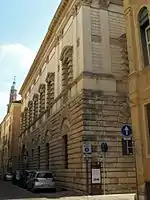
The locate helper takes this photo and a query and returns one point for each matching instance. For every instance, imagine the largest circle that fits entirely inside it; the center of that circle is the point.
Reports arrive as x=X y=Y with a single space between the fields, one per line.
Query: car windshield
x=44 y=175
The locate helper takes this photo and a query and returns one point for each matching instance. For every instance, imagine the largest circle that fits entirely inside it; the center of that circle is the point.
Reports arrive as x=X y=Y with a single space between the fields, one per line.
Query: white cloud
x=19 y=53
x=4 y=99
x=15 y=59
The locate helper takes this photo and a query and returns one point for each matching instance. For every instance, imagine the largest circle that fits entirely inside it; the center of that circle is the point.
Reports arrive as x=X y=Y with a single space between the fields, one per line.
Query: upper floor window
x=26 y=115
x=147 y=109
x=67 y=68
x=30 y=107
x=50 y=88
x=36 y=105
x=145 y=34
x=42 y=89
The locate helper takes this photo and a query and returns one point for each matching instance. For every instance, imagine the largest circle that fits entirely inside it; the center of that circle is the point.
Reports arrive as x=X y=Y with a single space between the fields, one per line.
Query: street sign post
x=126 y=131
x=87 y=150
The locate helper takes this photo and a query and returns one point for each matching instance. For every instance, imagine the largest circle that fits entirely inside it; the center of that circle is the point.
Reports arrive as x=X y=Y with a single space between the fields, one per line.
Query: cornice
x=48 y=38
x=53 y=35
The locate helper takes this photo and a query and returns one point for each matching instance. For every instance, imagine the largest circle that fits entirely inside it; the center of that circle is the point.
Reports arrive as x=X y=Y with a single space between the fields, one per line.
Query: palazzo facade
x=76 y=93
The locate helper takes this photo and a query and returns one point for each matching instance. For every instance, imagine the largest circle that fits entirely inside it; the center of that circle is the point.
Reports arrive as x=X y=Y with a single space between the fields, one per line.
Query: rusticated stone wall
x=86 y=100
x=104 y=115
x=94 y=116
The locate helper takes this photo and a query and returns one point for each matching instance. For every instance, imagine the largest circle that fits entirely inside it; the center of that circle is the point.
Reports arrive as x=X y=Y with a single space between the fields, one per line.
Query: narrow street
x=12 y=192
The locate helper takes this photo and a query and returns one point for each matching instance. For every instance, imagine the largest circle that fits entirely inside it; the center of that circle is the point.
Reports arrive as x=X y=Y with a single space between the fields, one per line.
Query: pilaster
x=86 y=47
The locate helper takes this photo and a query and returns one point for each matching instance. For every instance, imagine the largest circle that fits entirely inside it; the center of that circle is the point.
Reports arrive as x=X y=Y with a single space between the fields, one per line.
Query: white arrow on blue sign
x=126 y=130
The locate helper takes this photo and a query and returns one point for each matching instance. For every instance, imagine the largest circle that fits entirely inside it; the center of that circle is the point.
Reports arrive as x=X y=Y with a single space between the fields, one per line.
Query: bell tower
x=13 y=93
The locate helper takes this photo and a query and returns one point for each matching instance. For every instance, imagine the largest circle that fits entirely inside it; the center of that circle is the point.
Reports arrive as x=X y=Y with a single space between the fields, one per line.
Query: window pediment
x=42 y=88
x=66 y=53
x=50 y=77
x=35 y=97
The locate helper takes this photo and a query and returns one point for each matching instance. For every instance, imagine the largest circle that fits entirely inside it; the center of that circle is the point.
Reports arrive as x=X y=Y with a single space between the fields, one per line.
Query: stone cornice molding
x=52 y=37
x=55 y=23
x=66 y=9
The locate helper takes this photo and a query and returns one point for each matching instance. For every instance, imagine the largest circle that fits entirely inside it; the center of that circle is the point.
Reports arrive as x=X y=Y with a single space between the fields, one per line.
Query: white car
x=8 y=176
x=41 y=180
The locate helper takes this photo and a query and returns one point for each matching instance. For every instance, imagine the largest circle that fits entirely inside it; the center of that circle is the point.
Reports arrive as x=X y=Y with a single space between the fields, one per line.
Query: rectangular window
x=147 y=107
x=127 y=147
x=47 y=156
x=65 y=141
x=32 y=153
x=147 y=32
x=38 y=161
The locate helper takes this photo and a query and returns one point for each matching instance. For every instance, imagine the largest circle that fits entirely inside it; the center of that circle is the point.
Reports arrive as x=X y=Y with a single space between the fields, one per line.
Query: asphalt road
x=9 y=191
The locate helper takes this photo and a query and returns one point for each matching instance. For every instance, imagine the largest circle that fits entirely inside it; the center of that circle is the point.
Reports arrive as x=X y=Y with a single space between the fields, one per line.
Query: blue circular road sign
x=126 y=130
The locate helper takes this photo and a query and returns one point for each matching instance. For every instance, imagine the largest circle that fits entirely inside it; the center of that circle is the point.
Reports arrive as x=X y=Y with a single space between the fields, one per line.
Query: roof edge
x=44 y=42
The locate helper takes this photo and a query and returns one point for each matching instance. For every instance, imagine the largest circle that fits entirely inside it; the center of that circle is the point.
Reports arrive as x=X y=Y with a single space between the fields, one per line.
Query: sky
x=23 y=25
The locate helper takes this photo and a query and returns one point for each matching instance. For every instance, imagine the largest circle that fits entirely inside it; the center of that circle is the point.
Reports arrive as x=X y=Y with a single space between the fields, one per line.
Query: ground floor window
x=65 y=149
x=147 y=112
x=47 y=155
x=147 y=107
x=38 y=160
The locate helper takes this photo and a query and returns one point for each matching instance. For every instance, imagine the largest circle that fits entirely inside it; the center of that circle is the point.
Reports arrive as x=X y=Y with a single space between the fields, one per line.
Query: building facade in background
x=75 y=94
x=138 y=37
x=9 y=134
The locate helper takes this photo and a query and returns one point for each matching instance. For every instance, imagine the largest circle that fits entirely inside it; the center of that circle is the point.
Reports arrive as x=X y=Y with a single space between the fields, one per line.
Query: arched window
x=145 y=34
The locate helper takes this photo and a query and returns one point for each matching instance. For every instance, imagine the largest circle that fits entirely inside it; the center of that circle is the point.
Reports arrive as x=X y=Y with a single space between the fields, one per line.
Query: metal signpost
x=104 y=149
x=126 y=132
x=87 y=150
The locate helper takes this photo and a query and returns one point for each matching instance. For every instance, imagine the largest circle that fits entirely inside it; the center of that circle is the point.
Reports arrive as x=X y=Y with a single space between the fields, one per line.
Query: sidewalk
x=68 y=195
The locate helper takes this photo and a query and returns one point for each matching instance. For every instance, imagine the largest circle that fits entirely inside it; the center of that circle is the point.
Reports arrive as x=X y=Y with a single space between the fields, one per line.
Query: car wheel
x=33 y=189
x=28 y=188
